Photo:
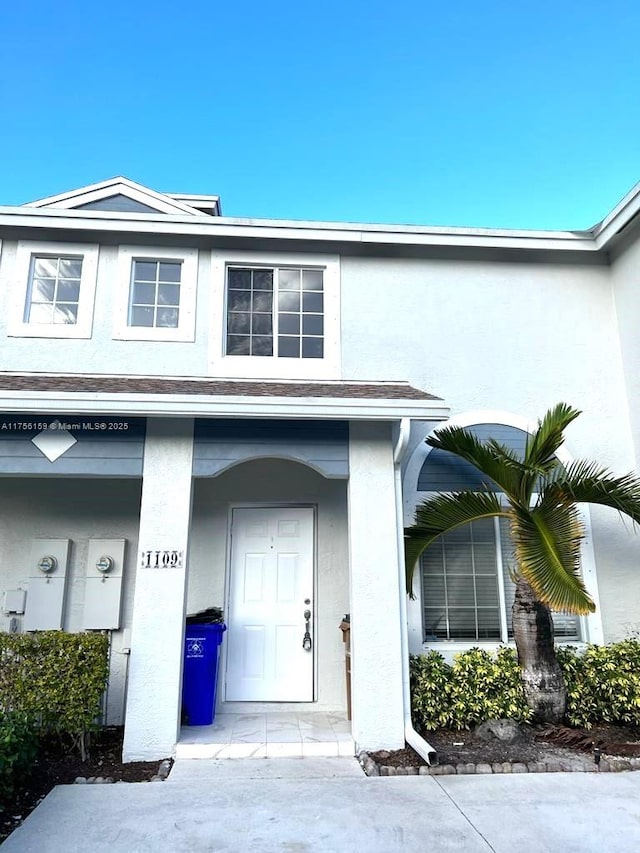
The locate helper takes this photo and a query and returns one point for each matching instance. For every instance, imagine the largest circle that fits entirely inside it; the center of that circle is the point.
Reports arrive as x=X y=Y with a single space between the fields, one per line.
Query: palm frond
x=439 y=515
x=497 y=463
x=539 y=455
x=547 y=545
x=587 y=482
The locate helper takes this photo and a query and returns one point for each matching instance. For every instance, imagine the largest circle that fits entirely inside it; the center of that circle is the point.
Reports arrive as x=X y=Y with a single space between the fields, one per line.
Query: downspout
x=418 y=743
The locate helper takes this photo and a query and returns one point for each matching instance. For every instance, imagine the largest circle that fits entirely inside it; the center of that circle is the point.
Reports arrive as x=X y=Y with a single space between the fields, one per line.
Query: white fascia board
x=206 y=226
x=621 y=214
x=95 y=192
x=196 y=405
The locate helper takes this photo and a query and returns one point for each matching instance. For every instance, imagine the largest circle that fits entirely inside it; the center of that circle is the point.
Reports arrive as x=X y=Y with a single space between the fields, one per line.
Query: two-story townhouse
x=207 y=411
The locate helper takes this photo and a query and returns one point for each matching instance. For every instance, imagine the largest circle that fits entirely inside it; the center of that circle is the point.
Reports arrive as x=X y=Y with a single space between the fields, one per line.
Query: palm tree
x=540 y=498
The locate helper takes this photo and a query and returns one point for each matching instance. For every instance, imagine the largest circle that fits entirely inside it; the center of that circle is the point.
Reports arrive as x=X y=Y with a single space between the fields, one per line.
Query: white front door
x=270 y=601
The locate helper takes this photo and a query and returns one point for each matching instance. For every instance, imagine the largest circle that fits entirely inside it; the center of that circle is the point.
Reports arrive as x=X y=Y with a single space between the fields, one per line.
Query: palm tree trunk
x=542 y=678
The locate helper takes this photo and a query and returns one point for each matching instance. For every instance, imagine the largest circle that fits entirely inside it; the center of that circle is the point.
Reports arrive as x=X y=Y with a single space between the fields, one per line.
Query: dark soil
x=57 y=764
x=546 y=743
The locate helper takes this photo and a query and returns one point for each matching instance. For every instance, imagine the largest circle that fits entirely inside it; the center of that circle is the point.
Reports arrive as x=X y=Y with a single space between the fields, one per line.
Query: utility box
x=200 y=673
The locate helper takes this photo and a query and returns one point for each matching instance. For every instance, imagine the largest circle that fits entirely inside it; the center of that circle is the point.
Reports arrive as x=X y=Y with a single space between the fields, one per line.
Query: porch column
x=157 y=635
x=376 y=673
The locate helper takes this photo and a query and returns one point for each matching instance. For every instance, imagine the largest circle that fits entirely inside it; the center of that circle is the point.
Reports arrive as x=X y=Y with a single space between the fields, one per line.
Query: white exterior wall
x=101 y=353
x=79 y=510
x=515 y=338
x=274 y=481
x=376 y=652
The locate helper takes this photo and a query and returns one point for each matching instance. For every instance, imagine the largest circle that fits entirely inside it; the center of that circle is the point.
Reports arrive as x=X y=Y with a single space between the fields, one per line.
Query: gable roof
x=141 y=199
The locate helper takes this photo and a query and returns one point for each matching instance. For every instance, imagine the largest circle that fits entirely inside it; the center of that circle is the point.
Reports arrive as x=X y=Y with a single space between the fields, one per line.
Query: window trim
x=185 y=330
x=26 y=250
x=273 y=366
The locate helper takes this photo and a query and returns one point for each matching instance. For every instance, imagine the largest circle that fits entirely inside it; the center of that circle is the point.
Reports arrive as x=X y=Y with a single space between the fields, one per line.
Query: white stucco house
x=198 y=411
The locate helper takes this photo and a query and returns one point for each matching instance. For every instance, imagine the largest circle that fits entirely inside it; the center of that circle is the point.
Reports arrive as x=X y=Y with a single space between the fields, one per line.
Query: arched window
x=467 y=589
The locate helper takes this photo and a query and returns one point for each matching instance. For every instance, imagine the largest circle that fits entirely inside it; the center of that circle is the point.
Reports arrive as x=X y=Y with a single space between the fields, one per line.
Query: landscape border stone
x=608 y=764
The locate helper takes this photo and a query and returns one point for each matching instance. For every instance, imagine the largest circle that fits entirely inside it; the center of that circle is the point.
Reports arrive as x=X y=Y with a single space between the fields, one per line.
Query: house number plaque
x=161 y=559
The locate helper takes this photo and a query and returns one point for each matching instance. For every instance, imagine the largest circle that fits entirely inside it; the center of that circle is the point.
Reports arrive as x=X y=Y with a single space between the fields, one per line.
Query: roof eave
x=220 y=406
x=294 y=230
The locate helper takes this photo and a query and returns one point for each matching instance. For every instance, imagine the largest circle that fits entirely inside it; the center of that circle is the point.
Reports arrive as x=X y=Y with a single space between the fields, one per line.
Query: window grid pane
x=155 y=294
x=287 y=325
x=459 y=584
x=54 y=290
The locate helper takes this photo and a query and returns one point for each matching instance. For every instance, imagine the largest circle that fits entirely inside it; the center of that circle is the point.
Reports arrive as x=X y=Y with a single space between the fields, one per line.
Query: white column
x=157 y=634
x=376 y=677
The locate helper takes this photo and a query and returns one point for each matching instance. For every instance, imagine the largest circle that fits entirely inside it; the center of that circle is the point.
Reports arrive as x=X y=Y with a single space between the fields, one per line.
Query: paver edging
x=610 y=764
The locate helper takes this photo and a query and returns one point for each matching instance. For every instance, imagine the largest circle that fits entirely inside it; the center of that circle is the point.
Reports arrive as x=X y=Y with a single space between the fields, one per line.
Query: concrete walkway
x=308 y=805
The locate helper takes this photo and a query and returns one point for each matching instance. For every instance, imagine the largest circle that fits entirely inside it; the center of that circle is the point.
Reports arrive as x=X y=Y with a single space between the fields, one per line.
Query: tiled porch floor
x=268 y=735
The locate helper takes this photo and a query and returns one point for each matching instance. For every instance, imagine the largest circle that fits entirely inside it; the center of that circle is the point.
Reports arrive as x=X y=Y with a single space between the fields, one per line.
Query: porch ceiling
x=180 y=396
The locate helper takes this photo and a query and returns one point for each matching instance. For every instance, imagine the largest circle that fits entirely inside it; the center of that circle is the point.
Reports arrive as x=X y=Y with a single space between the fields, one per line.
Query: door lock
x=306 y=640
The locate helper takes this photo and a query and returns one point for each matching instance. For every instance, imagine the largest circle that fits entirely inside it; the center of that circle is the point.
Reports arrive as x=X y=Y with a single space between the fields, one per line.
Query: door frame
x=234 y=505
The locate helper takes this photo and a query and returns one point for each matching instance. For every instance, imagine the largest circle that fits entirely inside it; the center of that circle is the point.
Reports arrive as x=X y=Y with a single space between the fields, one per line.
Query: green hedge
x=18 y=748
x=55 y=678
x=603 y=685
x=477 y=686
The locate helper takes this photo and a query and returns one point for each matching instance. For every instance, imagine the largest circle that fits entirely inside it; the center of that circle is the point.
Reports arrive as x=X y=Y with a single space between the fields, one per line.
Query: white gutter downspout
x=424 y=749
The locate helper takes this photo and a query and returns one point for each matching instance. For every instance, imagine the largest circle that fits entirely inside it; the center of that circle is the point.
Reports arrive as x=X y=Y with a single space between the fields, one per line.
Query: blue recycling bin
x=200 y=673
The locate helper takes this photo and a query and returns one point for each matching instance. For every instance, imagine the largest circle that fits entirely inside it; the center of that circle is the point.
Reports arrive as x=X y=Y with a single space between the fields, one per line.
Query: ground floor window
x=468 y=590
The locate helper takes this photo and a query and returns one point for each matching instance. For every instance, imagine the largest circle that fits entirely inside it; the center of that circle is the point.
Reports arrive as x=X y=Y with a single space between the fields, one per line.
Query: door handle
x=306 y=640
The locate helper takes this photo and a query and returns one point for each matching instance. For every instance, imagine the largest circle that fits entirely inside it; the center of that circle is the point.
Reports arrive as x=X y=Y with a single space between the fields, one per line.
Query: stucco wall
x=78 y=510
x=274 y=481
x=514 y=338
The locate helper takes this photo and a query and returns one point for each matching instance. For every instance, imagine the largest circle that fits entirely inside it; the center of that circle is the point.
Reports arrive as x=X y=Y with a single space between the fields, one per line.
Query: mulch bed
x=57 y=764
x=543 y=743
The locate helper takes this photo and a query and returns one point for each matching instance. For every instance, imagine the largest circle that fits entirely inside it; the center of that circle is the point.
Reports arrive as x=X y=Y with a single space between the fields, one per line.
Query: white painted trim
x=621 y=214
x=196 y=405
x=202 y=225
x=115 y=186
x=19 y=288
x=185 y=330
x=590 y=626
x=272 y=367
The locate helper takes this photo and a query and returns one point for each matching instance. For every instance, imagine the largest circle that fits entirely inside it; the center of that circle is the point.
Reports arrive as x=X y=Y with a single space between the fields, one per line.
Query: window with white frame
x=156 y=294
x=276 y=311
x=154 y=297
x=468 y=588
x=54 y=290
x=275 y=315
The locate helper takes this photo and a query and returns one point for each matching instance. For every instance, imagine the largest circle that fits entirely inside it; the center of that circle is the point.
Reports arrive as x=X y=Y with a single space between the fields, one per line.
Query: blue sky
x=507 y=114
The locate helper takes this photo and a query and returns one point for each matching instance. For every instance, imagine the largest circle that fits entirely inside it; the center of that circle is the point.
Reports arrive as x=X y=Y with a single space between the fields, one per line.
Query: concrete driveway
x=328 y=805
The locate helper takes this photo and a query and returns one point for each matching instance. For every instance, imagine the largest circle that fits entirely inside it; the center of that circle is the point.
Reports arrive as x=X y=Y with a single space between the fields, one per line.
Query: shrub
x=477 y=687
x=430 y=691
x=603 y=683
x=56 y=678
x=18 y=748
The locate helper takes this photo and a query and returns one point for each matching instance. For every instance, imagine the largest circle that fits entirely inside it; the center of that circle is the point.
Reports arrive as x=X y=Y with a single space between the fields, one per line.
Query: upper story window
x=275 y=312
x=156 y=295
x=280 y=315
x=53 y=290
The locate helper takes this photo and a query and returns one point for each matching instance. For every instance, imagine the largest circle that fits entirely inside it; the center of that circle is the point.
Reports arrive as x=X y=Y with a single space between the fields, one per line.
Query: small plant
x=18 y=748
x=430 y=691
